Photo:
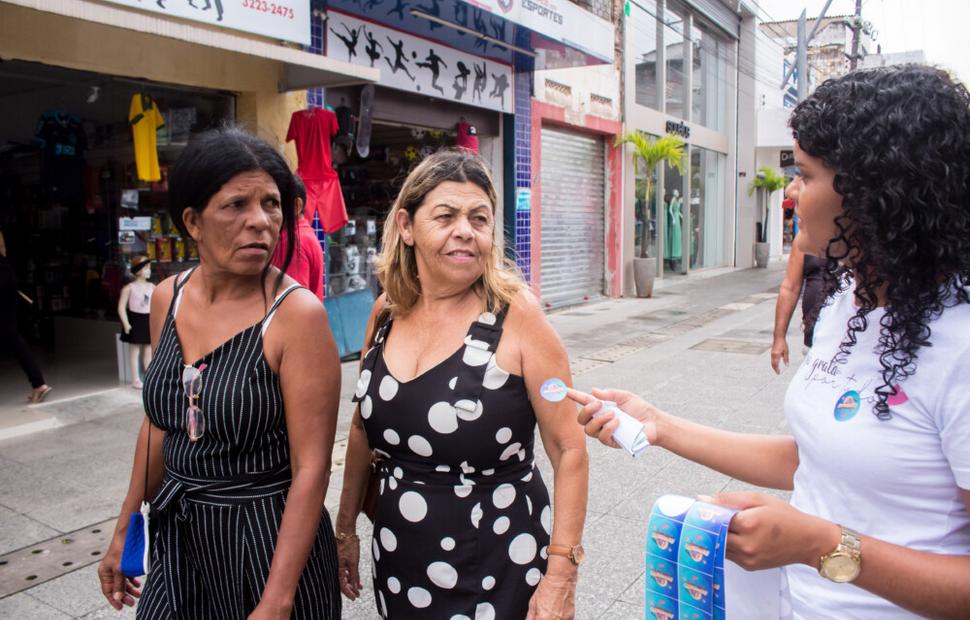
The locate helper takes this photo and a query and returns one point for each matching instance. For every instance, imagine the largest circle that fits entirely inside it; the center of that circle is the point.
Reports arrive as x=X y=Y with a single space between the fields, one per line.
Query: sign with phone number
x=287 y=20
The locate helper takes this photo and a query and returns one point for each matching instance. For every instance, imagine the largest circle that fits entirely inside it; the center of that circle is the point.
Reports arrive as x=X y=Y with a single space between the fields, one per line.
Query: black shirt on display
x=60 y=136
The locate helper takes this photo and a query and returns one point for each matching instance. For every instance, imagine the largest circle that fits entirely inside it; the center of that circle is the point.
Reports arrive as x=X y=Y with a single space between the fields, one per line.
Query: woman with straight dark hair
x=878 y=459
x=241 y=408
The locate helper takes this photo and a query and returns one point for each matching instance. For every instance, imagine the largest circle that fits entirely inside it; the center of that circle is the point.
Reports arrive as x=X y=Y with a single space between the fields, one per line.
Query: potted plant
x=767 y=182
x=668 y=150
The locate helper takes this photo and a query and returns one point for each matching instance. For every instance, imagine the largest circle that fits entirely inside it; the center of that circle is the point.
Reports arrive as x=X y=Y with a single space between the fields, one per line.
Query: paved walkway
x=698 y=349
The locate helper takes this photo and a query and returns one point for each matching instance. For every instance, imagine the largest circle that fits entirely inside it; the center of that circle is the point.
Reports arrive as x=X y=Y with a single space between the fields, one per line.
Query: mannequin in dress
x=133 y=308
x=674 y=226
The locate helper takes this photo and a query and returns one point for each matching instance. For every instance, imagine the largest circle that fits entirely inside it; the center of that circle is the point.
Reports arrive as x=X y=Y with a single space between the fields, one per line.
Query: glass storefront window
x=673 y=40
x=645 y=211
x=708 y=77
x=707 y=211
x=643 y=26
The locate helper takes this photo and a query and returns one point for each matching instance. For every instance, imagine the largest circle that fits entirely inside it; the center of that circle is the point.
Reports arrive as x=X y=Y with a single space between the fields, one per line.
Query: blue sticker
x=697 y=549
x=708 y=517
x=660 y=607
x=696 y=589
x=847 y=406
x=662 y=538
x=661 y=576
x=553 y=390
x=689 y=613
x=719 y=587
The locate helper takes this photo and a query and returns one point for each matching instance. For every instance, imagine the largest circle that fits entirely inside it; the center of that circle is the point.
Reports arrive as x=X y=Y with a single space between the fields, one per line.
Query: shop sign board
x=560 y=20
x=419 y=65
x=787 y=158
x=286 y=20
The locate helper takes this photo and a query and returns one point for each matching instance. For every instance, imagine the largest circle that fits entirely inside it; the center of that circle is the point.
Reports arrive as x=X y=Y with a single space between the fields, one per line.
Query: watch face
x=841 y=568
x=578 y=554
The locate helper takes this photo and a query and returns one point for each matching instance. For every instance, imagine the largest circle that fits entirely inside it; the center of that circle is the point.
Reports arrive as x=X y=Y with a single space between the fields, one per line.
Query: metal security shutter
x=573 y=207
x=720 y=15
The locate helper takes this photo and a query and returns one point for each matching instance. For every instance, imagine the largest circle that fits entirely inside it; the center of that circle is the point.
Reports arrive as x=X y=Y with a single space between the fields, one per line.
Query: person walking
x=241 y=401
x=803 y=278
x=10 y=338
x=449 y=401
x=879 y=520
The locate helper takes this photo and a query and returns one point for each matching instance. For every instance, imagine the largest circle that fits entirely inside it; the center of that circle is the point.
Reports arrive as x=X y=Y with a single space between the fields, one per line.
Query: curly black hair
x=898 y=139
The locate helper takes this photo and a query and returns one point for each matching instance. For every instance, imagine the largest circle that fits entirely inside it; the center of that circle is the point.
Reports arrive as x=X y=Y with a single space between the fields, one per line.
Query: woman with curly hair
x=879 y=455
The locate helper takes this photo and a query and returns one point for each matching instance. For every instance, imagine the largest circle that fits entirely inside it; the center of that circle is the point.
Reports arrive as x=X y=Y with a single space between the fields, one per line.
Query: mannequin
x=133 y=309
x=674 y=226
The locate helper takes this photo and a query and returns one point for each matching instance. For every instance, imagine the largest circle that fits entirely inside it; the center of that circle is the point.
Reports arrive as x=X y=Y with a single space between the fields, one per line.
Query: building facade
x=83 y=171
x=683 y=75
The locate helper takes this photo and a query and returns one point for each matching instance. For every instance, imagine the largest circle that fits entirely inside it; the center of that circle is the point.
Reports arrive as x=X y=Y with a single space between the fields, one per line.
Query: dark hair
x=215 y=157
x=898 y=139
x=299 y=189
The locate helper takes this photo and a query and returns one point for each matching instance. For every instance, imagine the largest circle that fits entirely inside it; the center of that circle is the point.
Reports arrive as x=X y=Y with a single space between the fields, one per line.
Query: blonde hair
x=397 y=267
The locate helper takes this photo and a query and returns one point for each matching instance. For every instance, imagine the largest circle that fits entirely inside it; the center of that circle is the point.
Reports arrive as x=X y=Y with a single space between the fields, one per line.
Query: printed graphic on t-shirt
x=850 y=392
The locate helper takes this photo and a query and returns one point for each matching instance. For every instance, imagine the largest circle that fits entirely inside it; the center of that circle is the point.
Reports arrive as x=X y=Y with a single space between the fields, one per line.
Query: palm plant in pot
x=766 y=182
x=668 y=150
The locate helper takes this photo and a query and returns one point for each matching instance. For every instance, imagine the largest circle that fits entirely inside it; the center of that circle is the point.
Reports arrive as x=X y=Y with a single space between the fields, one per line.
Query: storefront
x=573 y=225
x=83 y=171
x=681 y=63
x=445 y=68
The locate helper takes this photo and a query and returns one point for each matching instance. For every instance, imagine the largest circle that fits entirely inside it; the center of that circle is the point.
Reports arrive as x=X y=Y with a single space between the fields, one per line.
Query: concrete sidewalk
x=697 y=349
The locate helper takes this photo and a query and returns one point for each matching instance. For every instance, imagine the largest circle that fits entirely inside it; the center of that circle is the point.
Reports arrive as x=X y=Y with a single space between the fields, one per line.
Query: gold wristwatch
x=844 y=563
x=575 y=554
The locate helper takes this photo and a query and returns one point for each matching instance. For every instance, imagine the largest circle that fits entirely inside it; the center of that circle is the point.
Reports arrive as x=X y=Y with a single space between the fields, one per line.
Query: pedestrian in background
x=449 y=401
x=880 y=409
x=803 y=278
x=10 y=339
x=241 y=400
x=306 y=267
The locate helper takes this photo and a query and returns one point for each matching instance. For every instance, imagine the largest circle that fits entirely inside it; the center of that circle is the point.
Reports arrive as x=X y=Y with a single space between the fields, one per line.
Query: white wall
x=747 y=135
x=582 y=83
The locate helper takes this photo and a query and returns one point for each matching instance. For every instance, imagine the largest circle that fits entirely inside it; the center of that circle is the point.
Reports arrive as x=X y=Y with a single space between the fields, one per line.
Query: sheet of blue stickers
x=685 y=560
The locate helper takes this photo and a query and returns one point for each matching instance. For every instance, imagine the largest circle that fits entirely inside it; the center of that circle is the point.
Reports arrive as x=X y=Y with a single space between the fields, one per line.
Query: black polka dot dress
x=463 y=517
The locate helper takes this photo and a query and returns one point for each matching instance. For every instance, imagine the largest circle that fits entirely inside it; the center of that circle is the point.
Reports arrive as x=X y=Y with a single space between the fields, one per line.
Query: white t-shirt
x=895 y=480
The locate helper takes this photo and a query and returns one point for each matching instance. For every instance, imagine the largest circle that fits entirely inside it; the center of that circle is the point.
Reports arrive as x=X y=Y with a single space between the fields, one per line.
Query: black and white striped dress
x=222 y=497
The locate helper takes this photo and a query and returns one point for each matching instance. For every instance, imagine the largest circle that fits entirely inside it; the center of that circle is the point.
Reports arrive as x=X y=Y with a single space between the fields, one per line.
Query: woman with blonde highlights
x=448 y=404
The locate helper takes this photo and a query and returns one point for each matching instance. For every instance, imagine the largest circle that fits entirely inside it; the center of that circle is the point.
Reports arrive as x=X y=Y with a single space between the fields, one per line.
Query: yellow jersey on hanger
x=145 y=120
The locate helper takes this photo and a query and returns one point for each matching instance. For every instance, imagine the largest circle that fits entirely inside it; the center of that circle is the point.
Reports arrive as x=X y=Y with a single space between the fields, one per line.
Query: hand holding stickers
x=629 y=434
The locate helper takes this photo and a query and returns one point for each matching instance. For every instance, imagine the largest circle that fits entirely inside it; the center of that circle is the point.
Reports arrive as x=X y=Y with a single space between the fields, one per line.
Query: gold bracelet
x=341 y=536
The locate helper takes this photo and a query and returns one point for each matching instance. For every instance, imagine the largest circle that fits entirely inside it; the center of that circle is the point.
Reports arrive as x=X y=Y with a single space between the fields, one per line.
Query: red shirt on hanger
x=313 y=130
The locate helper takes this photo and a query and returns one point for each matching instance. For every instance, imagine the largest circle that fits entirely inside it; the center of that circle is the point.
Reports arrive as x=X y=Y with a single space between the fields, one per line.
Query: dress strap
x=180 y=281
x=481 y=343
x=374 y=352
x=276 y=304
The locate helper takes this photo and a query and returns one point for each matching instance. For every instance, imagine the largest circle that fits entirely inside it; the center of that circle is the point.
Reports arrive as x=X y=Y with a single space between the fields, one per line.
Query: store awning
x=300 y=70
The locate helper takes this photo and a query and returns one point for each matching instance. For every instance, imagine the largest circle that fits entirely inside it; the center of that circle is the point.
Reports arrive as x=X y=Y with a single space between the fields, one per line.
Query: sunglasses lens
x=195 y=423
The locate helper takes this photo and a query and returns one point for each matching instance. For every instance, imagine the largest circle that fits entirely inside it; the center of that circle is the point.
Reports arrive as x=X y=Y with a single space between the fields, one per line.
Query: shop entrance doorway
x=68 y=175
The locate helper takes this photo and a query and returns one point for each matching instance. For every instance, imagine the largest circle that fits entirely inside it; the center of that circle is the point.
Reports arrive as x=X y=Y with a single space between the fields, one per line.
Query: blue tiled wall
x=314 y=96
x=523 y=153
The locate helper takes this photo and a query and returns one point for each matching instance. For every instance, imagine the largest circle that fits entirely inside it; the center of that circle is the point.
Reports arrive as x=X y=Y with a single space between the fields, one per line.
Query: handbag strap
x=148 y=458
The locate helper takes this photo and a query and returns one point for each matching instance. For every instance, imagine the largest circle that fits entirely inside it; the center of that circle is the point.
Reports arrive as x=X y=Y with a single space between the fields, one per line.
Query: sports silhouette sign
x=420 y=65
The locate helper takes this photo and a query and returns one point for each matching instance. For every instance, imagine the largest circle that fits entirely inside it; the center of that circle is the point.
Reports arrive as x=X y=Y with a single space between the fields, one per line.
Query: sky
x=938 y=27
